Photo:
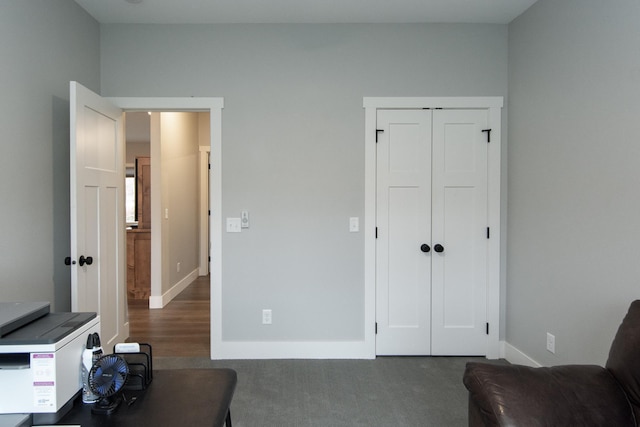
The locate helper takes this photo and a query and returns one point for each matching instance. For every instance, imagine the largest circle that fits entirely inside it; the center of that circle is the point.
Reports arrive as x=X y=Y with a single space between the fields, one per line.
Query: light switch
x=233 y=225
x=354 y=224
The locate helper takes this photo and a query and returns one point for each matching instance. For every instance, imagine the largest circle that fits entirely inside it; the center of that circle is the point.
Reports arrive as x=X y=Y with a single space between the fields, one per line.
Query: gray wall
x=574 y=176
x=179 y=135
x=45 y=44
x=293 y=144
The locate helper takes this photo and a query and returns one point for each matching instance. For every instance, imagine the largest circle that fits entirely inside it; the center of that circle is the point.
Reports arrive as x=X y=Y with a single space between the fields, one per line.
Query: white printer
x=40 y=354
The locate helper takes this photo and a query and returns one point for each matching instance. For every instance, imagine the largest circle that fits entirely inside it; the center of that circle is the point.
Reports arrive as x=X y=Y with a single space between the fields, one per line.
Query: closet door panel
x=459 y=208
x=403 y=272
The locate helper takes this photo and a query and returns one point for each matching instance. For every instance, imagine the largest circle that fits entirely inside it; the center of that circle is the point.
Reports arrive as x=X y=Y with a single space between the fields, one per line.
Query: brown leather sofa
x=570 y=395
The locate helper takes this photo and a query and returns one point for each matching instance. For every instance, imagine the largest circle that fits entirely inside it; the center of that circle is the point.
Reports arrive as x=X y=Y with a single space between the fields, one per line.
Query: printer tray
x=48 y=329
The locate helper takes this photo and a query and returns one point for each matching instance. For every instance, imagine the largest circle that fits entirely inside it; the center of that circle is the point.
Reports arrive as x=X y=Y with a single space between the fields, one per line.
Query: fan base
x=106 y=405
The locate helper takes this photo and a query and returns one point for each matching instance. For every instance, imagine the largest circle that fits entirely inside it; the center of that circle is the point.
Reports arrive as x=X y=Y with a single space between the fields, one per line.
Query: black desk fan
x=106 y=379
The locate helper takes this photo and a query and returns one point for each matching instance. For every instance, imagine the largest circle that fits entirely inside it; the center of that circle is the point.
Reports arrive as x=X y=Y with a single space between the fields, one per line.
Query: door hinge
x=487 y=328
x=488 y=131
x=376 y=232
x=209 y=165
x=209 y=259
x=209 y=212
x=488 y=233
x=376 y=328
x=377 y=132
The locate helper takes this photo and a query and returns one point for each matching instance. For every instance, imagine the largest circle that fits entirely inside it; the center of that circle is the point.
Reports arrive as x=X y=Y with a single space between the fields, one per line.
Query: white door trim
x=494 y=105
x=214 y=106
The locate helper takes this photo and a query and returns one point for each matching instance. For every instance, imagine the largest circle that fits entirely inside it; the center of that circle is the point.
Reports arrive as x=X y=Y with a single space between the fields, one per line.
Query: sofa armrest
x=514 y=395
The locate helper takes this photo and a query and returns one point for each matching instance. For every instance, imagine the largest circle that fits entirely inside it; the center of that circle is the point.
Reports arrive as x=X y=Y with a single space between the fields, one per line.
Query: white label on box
x=43 y=367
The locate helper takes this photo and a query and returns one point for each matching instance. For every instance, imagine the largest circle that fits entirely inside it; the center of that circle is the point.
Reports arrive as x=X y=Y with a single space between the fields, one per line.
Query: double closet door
x=432 y=232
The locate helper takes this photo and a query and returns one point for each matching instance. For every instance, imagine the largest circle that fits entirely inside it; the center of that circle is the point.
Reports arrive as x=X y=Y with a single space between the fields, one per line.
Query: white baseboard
x=164 y=299
x=292 y=350
x=515 y=356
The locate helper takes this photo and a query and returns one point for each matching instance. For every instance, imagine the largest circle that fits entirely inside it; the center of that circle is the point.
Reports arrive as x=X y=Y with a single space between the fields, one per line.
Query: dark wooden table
x=180 y=397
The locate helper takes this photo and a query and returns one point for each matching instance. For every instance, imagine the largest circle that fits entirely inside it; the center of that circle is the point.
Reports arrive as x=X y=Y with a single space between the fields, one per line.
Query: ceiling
x=304 y=11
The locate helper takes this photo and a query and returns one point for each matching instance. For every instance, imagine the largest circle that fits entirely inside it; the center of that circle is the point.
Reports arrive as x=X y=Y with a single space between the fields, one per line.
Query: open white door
x=97 y=212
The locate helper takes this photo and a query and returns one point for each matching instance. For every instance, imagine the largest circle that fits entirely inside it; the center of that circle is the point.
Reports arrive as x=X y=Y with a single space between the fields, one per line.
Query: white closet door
x=403 y=225
x=459 y=272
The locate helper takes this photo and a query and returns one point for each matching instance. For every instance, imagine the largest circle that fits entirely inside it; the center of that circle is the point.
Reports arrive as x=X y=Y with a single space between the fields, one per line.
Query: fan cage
x=108 y=375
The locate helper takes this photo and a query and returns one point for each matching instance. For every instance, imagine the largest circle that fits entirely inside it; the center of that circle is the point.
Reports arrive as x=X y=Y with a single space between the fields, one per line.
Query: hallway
x=180 y=329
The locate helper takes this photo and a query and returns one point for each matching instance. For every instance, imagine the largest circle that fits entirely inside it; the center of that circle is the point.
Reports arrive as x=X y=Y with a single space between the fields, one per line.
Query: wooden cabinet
x=139 y=239
x=138 y=264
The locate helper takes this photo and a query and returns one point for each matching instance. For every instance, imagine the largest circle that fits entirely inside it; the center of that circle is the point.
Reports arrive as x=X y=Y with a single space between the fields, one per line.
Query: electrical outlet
x=551 y=343
x=266 y=317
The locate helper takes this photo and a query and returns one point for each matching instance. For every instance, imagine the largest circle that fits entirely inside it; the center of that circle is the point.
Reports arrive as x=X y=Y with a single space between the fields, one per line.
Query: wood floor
x=180 y=329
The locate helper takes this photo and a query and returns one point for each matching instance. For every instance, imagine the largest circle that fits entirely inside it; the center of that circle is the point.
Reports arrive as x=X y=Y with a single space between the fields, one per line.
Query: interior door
x=459 y=271
x=403 y=226
x=97 y=212
x=431 y=247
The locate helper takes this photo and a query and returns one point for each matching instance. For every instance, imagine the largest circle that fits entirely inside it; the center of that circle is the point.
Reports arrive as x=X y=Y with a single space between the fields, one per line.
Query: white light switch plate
x=354 y=224
x=233 y=225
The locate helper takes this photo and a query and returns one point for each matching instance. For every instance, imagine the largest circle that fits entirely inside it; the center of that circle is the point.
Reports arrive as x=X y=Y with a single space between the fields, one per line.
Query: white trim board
x=292 y=350
x=164 y=299
x=494 y=104
x=517 y=357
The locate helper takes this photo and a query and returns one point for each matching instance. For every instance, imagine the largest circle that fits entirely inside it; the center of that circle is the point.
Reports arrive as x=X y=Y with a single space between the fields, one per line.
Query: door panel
x=88 y=296
x=459 y=223
x=404 y=221
x=97 y=212
x=404 y=262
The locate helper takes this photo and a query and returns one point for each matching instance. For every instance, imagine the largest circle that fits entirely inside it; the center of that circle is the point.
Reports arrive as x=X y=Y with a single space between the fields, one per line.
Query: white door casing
x=491 y=106
x=214 y=106
x=97 y=212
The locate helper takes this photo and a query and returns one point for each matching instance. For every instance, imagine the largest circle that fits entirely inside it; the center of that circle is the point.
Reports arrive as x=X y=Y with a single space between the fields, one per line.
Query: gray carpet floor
x=385 y=392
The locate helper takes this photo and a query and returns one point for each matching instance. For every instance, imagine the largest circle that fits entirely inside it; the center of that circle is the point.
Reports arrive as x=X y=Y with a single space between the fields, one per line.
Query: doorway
x=164 y=150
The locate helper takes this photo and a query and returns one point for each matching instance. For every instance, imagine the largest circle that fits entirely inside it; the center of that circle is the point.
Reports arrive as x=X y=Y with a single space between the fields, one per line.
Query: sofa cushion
x=624 y=356
x=574 y=395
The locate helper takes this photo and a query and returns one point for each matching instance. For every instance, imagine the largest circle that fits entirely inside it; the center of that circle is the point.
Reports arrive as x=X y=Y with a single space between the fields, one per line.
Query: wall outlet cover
x=266 y=317
x=551 y=343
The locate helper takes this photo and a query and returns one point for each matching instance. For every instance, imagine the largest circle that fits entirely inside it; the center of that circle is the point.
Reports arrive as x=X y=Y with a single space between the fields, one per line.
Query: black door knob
x=425 y=248
x=438 y=248
x=82 y=260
